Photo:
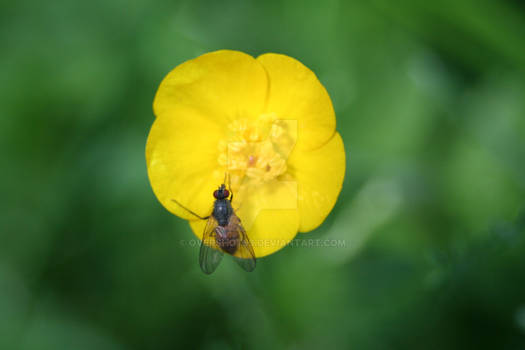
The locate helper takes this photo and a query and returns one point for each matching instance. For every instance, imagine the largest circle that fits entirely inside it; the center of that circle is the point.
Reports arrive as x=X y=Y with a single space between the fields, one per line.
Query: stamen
x=256 y=150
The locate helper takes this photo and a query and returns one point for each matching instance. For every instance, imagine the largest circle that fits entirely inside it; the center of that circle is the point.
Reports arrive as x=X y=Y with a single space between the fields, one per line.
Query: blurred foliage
x=430 y=102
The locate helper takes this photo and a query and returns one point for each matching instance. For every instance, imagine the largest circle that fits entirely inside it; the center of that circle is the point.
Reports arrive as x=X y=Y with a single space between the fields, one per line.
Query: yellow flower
x=266 y=121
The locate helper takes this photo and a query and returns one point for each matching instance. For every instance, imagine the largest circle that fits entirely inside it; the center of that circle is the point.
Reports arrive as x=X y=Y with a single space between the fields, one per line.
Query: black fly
x=223 y=233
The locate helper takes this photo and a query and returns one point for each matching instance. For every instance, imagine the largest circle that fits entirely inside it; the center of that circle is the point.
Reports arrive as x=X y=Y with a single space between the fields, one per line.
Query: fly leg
x=191 y=212
x=227 y=176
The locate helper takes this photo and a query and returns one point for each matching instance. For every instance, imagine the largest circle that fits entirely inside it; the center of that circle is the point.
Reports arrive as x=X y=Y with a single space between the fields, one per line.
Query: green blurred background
x=430 y=101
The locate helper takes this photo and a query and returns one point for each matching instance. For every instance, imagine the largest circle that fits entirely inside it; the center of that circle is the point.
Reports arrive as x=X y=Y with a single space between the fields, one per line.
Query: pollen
x=256 y=152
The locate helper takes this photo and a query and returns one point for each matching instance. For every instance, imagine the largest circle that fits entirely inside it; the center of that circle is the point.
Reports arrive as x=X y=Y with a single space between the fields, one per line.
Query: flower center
x=255 y=152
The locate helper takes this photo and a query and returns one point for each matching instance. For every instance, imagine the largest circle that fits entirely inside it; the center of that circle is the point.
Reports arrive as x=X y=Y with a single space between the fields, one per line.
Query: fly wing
x=210 y=254
x=244 y=256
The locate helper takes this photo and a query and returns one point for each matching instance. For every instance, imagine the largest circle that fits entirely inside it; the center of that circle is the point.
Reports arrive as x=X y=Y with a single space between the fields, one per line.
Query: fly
x=223 y=233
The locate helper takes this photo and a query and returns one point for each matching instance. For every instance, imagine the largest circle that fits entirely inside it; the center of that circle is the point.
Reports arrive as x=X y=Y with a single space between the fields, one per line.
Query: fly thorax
x=222 y=211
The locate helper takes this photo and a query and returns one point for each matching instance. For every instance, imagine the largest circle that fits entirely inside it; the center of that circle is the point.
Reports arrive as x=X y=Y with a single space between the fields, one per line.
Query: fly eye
x=226 y=193
x=216 y=194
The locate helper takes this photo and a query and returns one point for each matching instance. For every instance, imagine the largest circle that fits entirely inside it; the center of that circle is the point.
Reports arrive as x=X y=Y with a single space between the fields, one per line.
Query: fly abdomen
x=227 y=240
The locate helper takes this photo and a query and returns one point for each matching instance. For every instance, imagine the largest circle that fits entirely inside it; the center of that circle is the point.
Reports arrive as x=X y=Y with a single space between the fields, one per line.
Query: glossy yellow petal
x=319 y=174
x=272 y=195
x=271 y=231
x=222 y=85
x=181 y=157
x=295 y=93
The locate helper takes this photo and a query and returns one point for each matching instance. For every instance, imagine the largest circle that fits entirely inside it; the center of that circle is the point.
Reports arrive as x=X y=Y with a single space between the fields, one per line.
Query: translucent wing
x=210 y=254
x=244 y=256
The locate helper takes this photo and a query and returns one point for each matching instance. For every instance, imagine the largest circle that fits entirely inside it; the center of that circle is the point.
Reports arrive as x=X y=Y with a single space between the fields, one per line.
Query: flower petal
x=223 y=85
x=271 y=231
x=181 y=157
x=295 y=93
x=319 y=174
